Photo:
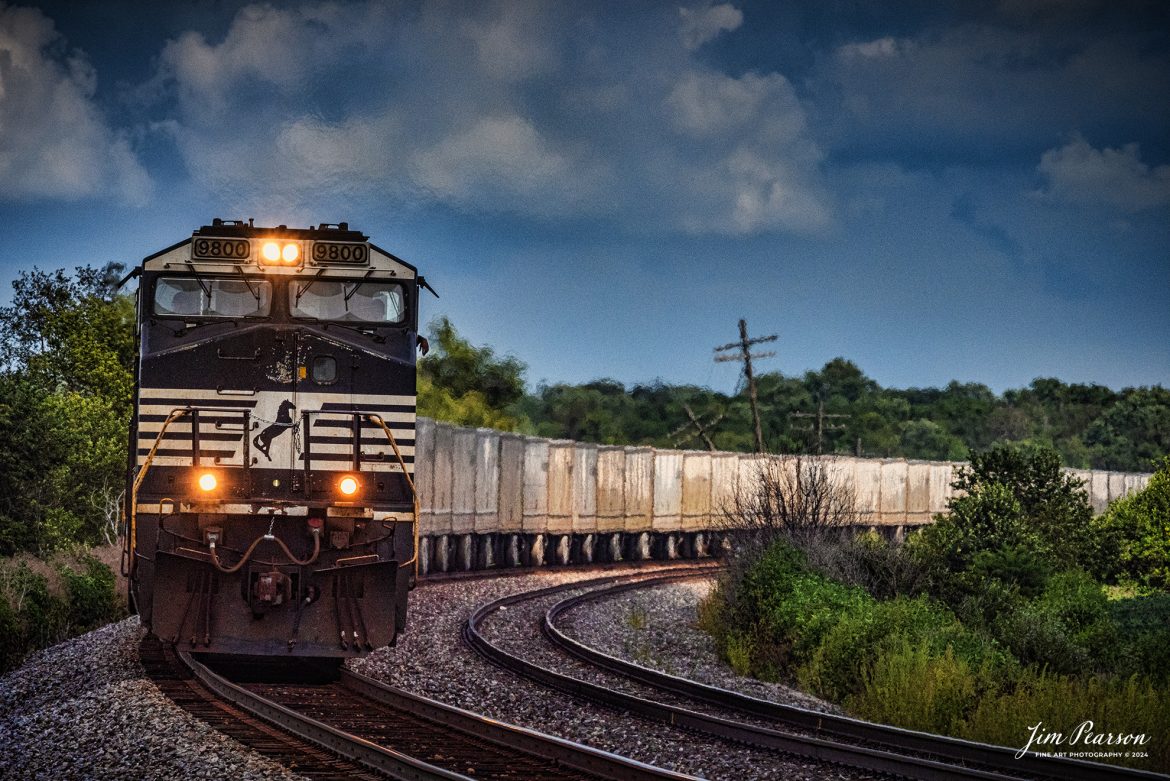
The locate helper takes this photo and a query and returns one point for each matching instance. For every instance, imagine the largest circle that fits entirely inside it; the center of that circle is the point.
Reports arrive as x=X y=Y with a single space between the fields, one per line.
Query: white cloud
x=758 y=166
x=512 y=44
x=1078 y=173
x=530 y=109
x=700 y=25
x=54 y=142
x=881 y=48
x=505 y=153
x=705 y=104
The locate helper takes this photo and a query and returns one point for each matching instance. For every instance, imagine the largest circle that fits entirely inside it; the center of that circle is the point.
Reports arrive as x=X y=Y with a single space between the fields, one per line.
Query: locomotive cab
x=271 y=502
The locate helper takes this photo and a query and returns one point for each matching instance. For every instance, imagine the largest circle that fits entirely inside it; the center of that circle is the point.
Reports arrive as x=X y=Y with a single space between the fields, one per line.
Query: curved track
x=345 y=725
x=789 y=729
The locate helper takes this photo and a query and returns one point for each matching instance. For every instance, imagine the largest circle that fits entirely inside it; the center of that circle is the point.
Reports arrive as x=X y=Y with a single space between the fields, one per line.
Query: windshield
x=348 y=301
x=210 y=297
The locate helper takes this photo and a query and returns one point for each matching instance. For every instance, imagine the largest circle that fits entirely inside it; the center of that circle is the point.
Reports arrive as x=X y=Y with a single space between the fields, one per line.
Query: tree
x=1138 y=527
x=469 y=385
x=65 y=399
x=1016 y=518
x=1133 y=433
x=1053 y=504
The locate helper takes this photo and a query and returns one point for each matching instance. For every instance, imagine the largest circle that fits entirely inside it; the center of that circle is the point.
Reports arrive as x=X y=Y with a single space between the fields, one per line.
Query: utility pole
x=820 y=427
x=701 y=428
x=744 y=346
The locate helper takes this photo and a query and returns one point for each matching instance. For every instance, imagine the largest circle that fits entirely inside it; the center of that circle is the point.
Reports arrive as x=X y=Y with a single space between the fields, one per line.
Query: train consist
x=271 y=506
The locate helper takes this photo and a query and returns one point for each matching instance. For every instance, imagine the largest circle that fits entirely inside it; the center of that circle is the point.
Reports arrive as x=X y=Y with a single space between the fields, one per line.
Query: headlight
x=280 y=253
x=348 y=486
x=207 y=481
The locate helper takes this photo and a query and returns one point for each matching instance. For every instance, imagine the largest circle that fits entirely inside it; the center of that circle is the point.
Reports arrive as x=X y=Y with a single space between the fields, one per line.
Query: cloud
x=879 y=49
x=54 y=142
x=538 y=110
x=758 y=166
x=987 y=86
x=1078 y=173
x=700 y=25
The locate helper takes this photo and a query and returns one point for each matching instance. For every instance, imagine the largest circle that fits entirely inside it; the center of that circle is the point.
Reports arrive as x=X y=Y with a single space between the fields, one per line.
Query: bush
x=1144 y=624
x=916 y=688
x=36 y=612
x=92 y=594
x=1139 y=528
x=1067 y=629
x=868 y=561
x=797 y=618
x=1060 y=703
x=835 y=669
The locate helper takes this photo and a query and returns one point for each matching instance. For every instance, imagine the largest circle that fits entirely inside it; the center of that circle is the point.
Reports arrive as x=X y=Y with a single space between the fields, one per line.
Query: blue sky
x=937 y=191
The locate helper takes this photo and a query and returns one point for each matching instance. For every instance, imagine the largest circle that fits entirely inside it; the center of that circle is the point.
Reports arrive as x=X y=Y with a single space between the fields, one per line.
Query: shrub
x=1068 y=629
x=798 y=617
x=36 y=612
x=916 y=688
x=1053 y=508
x=1144 y=624
x=92 y=593
x=835 y=668
x=868 y=561
x=1139 y=528
x=1060 y=703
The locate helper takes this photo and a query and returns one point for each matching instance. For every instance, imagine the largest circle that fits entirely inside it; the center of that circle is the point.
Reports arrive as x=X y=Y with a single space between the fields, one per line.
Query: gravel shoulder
x=655 y=627
x=431 y=659
x=84 y=709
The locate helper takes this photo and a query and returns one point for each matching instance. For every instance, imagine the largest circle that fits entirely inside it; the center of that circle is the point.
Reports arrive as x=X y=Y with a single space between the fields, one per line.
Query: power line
x=819 y=427
x=746 y=355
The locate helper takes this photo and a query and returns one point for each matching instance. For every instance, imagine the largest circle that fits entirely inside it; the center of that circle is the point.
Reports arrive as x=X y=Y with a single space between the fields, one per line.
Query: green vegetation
x=42 y=603
x=1137 y=529
x=65 y=397
x=992 y=623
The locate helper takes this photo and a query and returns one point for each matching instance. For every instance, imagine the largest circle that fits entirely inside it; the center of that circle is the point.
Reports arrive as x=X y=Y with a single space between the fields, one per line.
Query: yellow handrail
x=132 y=521
x=398 y=454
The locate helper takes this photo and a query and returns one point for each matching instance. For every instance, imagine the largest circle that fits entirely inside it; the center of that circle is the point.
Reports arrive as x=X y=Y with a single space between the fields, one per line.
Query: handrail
x=132 y=505
x=377 y=420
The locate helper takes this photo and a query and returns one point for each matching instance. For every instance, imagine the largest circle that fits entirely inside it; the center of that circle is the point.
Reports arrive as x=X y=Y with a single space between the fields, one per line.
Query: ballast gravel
x=656 y=628
x=432 y=660
x=85 y=709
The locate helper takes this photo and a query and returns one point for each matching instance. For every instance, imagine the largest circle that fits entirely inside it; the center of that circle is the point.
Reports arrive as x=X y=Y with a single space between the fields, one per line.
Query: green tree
x=1138 y=528
x=65 y=400
x=1133 y=433
x=469 y=385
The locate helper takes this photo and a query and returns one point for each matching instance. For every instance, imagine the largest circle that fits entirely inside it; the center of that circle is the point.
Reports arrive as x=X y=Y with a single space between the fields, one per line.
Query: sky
x=972 y=191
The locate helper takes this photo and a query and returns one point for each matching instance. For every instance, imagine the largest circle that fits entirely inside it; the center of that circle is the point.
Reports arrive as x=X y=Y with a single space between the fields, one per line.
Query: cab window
x=207 y=297
x=348 y=301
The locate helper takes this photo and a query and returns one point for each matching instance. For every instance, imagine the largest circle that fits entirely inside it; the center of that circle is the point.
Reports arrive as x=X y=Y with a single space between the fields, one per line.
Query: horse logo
x=283 y=423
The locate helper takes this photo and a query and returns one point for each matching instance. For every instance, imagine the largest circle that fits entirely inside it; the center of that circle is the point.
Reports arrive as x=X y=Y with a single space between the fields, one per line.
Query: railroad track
x=789 y=729
x=342 y=725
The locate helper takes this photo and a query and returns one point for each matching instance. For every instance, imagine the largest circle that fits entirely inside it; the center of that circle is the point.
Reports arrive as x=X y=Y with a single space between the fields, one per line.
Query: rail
x=499 y=750
x=951 y=749
x=894 y=751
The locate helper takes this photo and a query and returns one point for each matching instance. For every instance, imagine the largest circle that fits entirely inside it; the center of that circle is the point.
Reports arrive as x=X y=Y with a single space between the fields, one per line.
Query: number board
x=220 y=249
x=340 y=252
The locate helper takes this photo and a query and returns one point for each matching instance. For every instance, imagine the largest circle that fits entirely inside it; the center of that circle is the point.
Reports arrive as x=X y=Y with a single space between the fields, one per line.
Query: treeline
x=1090 y=426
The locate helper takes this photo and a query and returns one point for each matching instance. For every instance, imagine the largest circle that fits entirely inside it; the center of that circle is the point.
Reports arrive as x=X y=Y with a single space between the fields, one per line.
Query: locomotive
x=271 y=507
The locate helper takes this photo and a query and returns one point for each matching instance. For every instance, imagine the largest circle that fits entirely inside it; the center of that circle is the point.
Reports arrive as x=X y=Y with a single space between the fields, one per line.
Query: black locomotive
x=271 y=503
